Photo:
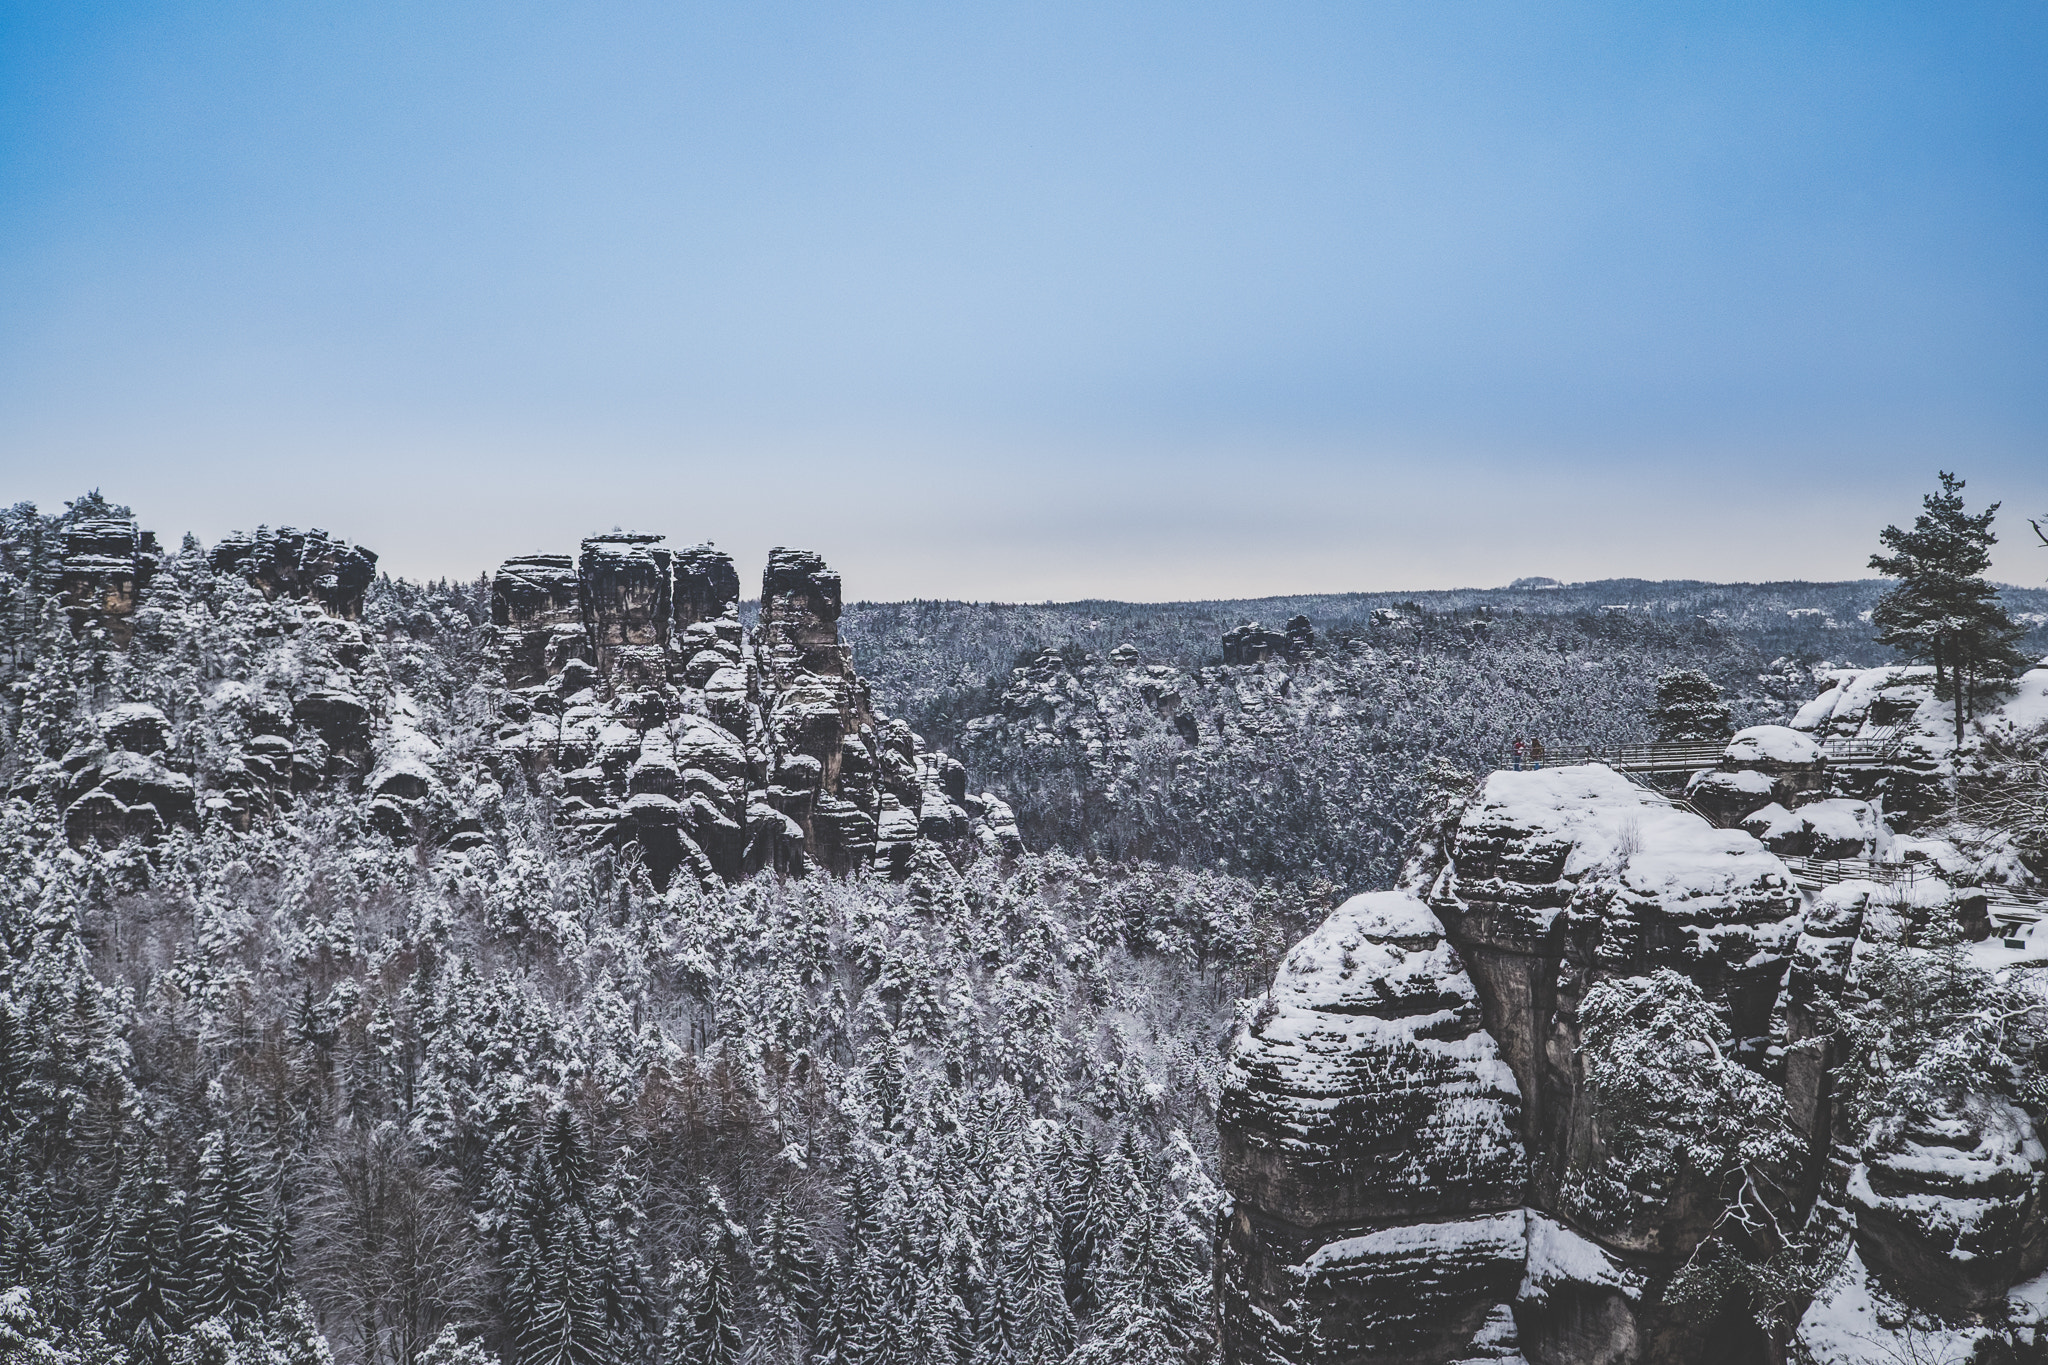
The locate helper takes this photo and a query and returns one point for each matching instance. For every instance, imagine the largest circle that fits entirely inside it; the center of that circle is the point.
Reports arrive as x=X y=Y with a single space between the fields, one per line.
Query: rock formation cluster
x=630 y=674
x=1420 y=1173
x=1252 y=643
x=630 y=688
x=308 y=565
x=316 y=707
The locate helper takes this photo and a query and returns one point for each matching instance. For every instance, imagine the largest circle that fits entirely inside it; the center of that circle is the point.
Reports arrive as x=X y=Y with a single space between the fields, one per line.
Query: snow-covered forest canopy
x=397 y=972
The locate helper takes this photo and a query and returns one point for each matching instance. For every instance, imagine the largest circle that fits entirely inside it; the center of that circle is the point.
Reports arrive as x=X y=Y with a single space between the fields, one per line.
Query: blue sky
x=983 y=300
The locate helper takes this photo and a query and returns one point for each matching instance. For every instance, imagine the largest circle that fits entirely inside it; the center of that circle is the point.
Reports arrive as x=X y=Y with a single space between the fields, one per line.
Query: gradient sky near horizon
x=1036 y=301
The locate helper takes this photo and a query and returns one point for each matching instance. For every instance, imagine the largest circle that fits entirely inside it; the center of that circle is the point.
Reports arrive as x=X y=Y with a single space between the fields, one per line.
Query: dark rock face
x=537 y=608
x=106 y=567
x=624 y=582
x=120 y=787
x=706 y=585
x=674 y=732
x=800 y=612
x=1252 y=643
x=307 y=565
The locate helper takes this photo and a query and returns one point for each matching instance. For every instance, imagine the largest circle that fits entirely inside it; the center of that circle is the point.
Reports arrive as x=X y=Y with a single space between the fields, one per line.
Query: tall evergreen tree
x=227 y=1239
x=1943 y=609
x=142 y=1288
x=554 y=1300
x=835 y=1336
x=709 y=1332
x=784 y=1271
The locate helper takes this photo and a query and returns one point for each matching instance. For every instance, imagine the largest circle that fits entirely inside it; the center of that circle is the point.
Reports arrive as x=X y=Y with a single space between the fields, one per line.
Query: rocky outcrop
x=1252 y=643
x=1894 y=708
x=1371 y=1139
x=1549 y=886
x=536 y=607
x=1762 y=766
x=107 y=564
x=307 y=566
x=1551 y=883
x=304 y=702
x=706 y=585
x=623 y=585
x=118 y=786
x=671 y=730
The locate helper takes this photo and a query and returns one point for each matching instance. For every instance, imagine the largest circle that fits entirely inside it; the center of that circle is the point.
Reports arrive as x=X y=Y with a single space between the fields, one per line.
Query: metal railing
x=1696 y=755
x=2006 y=907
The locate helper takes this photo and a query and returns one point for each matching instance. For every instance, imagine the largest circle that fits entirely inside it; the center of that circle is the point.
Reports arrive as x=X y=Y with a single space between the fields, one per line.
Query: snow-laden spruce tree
x=1690 y=708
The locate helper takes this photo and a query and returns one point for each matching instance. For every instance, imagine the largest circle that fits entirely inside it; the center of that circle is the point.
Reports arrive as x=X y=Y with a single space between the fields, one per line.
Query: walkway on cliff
x=1697 y=756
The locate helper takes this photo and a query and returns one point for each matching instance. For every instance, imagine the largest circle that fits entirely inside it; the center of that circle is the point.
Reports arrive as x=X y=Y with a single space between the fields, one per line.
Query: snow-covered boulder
x=1730 y=798
x=1772 y=748
x=1951 y=1205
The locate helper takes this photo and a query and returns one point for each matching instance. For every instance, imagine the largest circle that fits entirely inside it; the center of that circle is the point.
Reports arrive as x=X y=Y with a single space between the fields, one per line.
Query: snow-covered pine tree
x=142 y=1289
x=711 y=1330
x=226 y=1239
x=1690 y=708
x=784 y=1277
x=1944 y=609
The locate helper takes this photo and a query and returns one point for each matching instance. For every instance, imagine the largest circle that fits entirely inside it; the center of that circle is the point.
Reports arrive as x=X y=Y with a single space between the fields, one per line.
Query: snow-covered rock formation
x=630 y=691
x=1661 y=1014
x=1897 y=706
x=631 y=677
x=1373 y=1148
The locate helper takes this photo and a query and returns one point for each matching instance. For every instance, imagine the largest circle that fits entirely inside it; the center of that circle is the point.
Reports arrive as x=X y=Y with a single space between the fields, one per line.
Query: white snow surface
x=1494 y=1236
x=1843 y=708
x=1773 y=822
x=1336 y=966
x=1612 y=820
x=2026 y=710
x=1841 y=820
x=404 y=751
x=1558 y=1256
x=1772 y=744
x=1851 y=1322
x=1618 y=830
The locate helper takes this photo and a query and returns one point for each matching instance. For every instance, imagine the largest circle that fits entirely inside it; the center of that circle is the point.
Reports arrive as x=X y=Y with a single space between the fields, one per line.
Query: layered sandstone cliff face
x=1373 y=1146
x=107 y=563
x=1375 y=1219
x=631 y=678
